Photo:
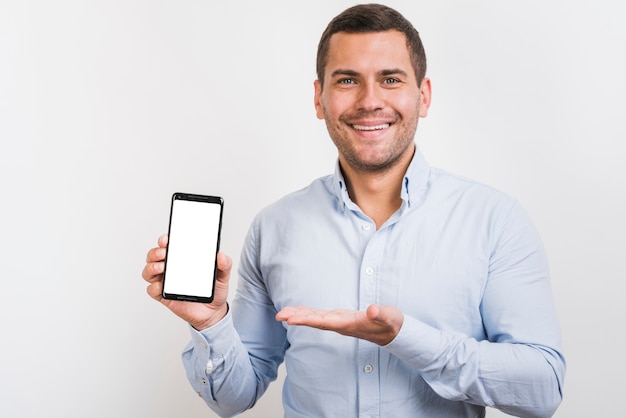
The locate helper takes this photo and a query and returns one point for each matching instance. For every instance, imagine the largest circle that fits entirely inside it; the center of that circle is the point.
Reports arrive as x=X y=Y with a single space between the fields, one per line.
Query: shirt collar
x=415 y=182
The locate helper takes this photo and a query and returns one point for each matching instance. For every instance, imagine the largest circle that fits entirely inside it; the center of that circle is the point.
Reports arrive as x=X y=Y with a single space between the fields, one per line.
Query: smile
x=371 y=128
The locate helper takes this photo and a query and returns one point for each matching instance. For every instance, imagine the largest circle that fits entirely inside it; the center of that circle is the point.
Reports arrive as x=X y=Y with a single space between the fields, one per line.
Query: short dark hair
x=365 y=18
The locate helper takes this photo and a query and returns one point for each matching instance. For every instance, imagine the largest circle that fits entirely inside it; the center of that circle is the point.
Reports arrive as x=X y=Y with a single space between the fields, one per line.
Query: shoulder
x=455 y=196
x=445 y=184
x=317 y=197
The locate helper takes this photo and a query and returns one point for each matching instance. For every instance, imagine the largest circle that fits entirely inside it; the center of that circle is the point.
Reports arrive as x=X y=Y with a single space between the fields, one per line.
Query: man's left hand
x=378 y=324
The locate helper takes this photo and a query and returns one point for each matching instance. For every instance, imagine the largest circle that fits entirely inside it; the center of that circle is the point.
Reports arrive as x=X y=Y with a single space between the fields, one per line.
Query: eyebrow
x=340 y=72
x=352 y=73
x=393 y=71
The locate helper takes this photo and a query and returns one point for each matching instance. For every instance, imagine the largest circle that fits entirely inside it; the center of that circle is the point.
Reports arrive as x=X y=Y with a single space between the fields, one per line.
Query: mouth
x=371 y=128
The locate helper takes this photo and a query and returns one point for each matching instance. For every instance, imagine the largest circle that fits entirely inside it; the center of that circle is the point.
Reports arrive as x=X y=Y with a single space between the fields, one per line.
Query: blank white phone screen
x=192 y=248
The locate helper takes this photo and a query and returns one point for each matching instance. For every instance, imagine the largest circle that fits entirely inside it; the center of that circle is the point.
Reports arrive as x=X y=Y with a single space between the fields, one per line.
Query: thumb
x=224 y=264
x=376 y=313
x=385 y=315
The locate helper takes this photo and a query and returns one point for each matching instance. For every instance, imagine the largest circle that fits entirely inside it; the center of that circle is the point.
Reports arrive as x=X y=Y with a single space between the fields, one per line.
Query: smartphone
x=194 y=239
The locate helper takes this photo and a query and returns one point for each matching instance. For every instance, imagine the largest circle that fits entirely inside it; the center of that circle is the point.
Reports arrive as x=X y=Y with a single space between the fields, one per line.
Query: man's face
x=371 y=101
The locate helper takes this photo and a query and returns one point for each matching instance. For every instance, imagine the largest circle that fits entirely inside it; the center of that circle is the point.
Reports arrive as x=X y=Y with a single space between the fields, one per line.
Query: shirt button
x=209 y=367
x=368 y=368
x=366 y=227
x=203 y=345
x=369 y=271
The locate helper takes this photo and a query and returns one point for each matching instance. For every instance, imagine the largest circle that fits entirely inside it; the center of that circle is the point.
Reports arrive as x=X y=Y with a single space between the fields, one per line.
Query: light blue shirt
x=461 y=260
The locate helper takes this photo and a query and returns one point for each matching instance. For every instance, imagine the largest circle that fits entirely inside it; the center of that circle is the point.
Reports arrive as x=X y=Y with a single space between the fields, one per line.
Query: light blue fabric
x=460 y=259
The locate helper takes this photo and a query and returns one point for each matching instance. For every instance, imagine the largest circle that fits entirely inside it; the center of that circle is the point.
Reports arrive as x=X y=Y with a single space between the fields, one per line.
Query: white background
x=107 y=107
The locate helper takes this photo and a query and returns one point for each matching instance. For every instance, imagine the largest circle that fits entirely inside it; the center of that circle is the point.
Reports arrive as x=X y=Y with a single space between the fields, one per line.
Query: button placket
x=367 y=353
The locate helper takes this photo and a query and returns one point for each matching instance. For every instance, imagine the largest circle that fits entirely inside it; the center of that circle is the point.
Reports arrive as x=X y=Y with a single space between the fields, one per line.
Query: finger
x=306 y=316
x=155 y=290
x=374 y=313
x=153 y=271
x=285 y=313
x=383 y=314
x=224 y=265
x=163 y=240
x=156 y=254
x=389 y=317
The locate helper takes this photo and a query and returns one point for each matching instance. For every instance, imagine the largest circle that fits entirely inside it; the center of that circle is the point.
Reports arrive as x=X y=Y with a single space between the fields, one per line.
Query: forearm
x=219 y=369
x=517 y=378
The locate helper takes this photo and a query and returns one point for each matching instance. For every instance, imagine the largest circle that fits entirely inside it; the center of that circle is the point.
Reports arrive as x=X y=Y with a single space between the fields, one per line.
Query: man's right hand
x=199 y=315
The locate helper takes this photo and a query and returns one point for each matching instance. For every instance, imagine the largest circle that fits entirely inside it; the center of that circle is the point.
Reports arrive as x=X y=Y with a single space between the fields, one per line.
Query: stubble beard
x=387 y=158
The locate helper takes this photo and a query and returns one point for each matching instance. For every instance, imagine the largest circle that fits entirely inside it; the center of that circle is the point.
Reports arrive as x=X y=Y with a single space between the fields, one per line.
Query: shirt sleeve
x=519 y=367
x=231 y=364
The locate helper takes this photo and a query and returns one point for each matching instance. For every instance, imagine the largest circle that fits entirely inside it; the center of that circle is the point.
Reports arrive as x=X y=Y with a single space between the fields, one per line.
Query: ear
x=425 y=97
x=318 y=99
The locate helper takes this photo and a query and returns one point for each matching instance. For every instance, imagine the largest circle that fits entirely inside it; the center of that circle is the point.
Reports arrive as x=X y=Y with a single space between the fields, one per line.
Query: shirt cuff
x=216 y=340
x=416 y=343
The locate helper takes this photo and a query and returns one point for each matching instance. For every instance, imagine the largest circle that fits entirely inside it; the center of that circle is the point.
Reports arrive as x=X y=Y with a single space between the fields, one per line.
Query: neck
x=376 y=193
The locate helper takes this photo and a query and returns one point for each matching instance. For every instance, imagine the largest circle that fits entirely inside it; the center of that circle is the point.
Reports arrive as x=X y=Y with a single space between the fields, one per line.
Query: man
x=390 y=288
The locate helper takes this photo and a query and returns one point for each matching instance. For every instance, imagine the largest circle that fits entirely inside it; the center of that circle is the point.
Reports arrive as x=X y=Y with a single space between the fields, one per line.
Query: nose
x=370 y=97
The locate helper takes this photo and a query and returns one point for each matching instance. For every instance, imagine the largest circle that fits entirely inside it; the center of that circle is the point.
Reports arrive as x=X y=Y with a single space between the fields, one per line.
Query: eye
x=346 y=81
x=391 y=80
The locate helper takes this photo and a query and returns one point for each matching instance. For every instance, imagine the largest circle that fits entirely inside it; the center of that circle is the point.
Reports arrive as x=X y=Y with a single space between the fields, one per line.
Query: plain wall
x=107 y=107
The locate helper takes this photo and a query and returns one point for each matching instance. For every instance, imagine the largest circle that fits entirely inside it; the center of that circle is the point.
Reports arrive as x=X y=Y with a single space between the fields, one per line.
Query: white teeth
x=371 y=128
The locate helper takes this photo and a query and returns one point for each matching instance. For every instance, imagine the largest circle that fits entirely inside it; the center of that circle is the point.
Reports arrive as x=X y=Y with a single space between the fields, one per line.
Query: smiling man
x=389 y=288
x=371 y=101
